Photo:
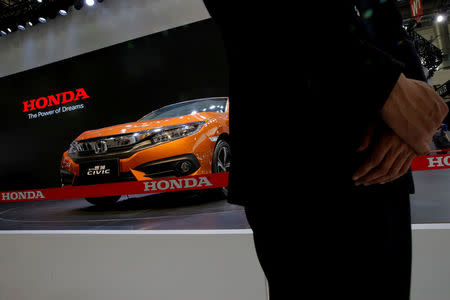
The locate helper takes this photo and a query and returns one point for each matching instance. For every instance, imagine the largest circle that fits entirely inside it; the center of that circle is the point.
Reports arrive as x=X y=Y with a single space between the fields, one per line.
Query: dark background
x=124 y=82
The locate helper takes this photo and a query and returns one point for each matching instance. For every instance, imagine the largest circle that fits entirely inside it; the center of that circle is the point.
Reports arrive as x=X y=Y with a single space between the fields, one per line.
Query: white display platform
x=431 y=262
x=132 y=265
x=168 y=264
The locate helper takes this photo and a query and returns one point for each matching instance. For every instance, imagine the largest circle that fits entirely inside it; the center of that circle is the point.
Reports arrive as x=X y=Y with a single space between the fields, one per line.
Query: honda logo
x=100 y=147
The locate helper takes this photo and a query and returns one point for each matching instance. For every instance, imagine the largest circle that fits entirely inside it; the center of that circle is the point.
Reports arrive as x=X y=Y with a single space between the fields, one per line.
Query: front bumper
x=182 y=165
x=183 y=157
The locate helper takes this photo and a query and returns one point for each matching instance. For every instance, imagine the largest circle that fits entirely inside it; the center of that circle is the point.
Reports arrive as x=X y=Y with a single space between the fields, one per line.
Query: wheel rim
x=223 y=160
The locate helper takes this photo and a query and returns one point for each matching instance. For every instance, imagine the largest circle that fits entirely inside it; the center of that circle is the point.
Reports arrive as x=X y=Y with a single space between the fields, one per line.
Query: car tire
x=103 y=201
x=221 y=162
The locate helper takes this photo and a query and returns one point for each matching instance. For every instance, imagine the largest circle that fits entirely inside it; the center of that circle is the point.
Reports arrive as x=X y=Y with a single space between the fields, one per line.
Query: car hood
x=142 y=125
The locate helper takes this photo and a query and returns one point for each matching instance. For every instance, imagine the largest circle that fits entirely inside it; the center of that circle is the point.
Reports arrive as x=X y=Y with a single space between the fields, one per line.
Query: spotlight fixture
x=22 y=17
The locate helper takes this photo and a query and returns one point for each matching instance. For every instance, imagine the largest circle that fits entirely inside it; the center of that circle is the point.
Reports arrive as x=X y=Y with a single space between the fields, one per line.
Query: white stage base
x=132 y=265
x=431 y=262
x=167 y=264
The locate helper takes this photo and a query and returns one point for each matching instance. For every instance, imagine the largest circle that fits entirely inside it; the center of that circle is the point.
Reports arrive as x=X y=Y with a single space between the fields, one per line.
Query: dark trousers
x=356 y=246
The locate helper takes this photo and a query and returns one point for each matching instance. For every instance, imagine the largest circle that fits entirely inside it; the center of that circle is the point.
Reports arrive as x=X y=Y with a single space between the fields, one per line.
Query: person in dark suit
x=328 y=221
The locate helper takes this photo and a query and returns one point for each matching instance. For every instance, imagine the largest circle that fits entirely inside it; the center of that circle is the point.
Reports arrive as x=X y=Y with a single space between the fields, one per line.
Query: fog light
x=185 y=166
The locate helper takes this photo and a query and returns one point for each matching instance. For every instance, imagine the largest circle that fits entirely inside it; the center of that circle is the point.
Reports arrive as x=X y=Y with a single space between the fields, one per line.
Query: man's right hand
x=414 y=111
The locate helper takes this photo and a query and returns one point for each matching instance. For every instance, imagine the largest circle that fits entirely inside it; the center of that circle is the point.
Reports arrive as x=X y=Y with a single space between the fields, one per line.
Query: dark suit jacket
x=295 y=71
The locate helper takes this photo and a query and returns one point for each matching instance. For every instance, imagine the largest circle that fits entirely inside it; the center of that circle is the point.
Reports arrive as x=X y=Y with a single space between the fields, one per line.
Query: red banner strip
x=214 y=180
x=208 y=181
x=431 y=162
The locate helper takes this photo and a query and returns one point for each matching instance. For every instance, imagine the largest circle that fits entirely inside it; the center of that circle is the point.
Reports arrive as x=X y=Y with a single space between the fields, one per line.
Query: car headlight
x=152 y=137
x=168 y=134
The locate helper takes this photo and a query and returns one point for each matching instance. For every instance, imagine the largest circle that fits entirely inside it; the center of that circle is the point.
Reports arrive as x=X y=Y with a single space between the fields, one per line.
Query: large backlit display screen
x=149 y=115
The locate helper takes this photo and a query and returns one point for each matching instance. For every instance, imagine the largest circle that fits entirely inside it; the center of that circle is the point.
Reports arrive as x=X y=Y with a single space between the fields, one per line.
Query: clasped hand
x=389 y=157
x=411 y=115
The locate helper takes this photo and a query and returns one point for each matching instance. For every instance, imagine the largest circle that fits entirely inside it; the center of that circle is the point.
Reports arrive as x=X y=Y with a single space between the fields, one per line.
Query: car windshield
x=188 y=108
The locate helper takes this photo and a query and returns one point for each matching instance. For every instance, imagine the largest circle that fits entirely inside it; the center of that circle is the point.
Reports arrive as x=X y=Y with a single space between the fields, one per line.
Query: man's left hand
x=390 y=158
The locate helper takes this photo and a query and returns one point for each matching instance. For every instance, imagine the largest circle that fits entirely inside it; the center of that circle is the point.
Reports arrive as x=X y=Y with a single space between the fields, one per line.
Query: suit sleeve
x=391 y=36
x=356 y=69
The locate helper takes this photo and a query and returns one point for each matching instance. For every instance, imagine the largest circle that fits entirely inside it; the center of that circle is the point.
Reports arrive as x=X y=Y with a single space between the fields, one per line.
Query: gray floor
x=164 y=211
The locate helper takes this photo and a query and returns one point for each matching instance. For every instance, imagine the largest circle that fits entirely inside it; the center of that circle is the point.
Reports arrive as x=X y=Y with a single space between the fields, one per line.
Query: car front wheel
x=221 y=162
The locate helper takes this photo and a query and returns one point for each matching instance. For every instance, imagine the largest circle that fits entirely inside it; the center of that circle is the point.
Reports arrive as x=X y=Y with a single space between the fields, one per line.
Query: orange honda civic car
x=186 y=138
